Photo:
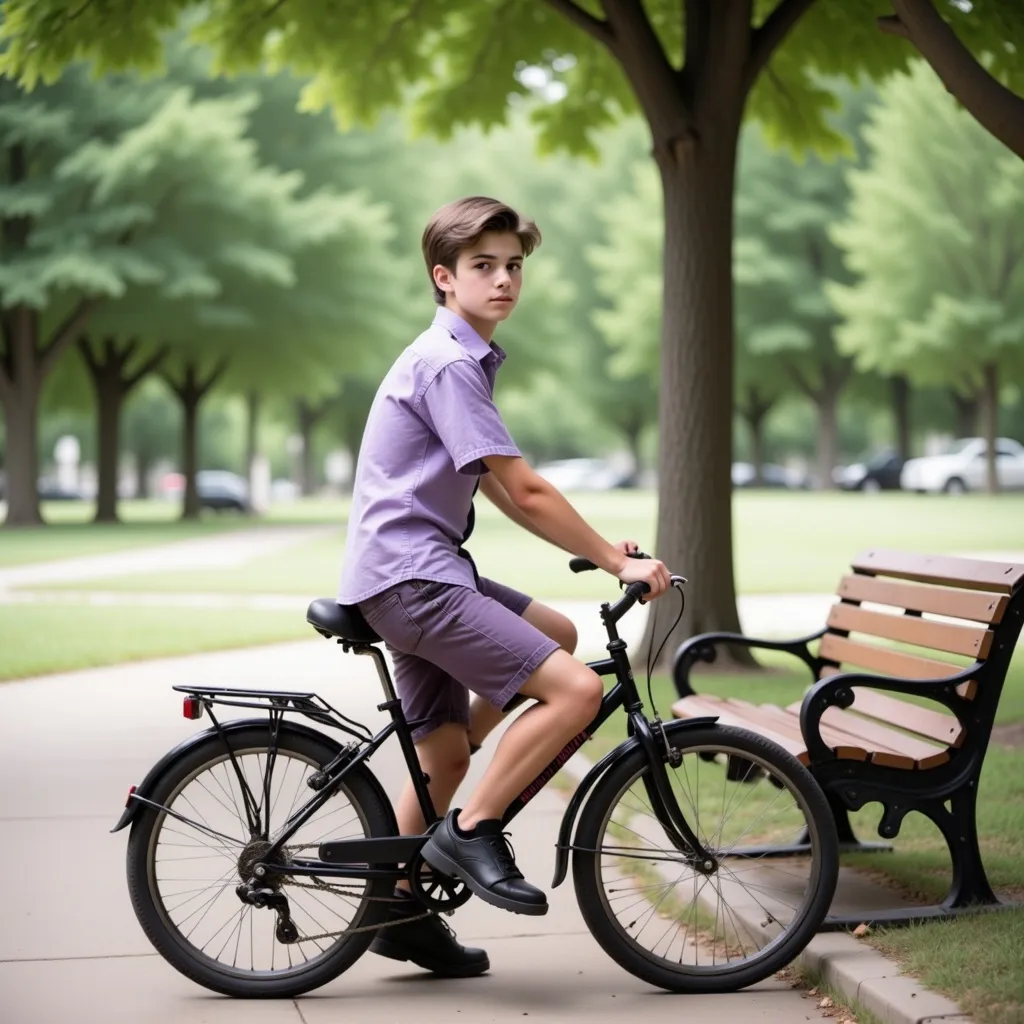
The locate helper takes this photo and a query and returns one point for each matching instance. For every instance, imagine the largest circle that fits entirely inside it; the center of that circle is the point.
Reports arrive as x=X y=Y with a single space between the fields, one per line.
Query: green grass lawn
x=41 y=638
x=978 y=962
x=785 y=542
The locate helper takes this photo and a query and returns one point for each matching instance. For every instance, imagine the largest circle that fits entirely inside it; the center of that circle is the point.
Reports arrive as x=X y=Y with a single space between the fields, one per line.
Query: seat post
x=382 y=668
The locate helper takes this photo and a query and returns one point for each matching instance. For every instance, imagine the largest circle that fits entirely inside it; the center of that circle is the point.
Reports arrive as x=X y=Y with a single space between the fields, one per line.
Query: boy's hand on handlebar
x=646 y=570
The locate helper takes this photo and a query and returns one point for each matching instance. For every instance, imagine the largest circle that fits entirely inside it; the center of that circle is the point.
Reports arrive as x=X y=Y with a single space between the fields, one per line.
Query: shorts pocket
x=395 y=625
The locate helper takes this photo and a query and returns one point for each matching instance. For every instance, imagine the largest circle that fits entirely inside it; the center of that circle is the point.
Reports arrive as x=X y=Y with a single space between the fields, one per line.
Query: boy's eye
x=482 y=266
x=515 y=267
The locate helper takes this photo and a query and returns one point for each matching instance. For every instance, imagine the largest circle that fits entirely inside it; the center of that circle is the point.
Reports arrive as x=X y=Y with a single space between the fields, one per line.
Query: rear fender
x=624 y=749
x=175 y=754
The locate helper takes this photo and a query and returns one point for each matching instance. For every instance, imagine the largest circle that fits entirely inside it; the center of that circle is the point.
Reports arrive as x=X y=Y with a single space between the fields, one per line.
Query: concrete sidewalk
x=70 y=948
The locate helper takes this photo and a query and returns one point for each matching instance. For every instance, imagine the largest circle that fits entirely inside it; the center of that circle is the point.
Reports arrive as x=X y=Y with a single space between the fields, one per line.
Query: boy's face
x=488 y=276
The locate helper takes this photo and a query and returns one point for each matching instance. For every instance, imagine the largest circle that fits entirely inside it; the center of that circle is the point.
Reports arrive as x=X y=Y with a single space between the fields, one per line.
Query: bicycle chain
x=341 y=890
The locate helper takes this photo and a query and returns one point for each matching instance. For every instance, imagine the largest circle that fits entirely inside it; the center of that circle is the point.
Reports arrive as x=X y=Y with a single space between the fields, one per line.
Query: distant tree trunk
x=308 y=416
x=26 y=359
x=191 y=390
x=112 y=383
x=632 y=430
x=990 y=428
x=143 y=465
x=754 y=411
x=20 y=385
x=253 y=402
x=828 y=434
x=966 y=407
x=901 y=415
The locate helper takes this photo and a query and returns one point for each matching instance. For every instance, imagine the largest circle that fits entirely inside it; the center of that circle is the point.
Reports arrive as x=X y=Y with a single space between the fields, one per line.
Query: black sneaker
x=427 y=942
x=483 y=860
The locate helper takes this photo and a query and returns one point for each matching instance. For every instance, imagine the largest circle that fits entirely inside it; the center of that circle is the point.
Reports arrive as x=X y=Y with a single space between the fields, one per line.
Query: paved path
x=70 y=948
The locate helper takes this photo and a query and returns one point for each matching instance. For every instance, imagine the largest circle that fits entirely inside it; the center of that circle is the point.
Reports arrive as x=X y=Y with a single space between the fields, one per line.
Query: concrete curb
x=855 y=970
x=860 y=973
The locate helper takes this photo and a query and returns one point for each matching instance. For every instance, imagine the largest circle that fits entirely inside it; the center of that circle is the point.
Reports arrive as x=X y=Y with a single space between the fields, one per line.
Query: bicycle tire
x=375 y=819
x=778 y=769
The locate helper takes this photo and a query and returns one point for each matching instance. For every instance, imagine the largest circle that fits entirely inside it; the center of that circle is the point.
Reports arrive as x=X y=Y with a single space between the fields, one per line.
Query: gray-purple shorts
x=446 y=640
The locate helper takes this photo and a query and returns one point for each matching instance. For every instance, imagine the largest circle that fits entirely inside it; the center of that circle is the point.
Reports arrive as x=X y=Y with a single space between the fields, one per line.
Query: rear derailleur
x=278 y=902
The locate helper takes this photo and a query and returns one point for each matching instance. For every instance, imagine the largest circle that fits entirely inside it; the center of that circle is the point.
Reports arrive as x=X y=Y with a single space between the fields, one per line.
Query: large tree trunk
x=20 y=385
x=695 y=415
x=990 y=426
x=901 y=415
x=694 y=115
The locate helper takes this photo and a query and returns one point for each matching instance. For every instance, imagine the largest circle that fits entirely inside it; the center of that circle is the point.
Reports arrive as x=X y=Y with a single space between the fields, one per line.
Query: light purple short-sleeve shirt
x=431 y=424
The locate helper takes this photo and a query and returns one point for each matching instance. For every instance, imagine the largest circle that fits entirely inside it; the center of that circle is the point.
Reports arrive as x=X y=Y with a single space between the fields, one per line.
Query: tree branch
x=595 y=27
x=989 y=102
x=65 y=334
x=87 y=354
x=147 y=367
x=766 y=39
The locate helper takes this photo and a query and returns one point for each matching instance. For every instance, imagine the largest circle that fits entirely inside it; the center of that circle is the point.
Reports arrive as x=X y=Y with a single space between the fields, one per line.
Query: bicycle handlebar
x=634 y=591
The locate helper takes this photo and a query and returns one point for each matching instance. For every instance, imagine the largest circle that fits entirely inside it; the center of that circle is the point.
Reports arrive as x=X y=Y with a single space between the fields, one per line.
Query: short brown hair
x=458 y=225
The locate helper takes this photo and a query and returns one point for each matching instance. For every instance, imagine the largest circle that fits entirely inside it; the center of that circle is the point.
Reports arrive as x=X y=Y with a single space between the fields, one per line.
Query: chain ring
x=435 y=891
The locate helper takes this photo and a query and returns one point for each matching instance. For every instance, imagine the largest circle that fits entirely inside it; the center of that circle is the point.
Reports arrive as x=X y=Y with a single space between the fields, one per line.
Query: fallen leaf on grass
x=861 y=930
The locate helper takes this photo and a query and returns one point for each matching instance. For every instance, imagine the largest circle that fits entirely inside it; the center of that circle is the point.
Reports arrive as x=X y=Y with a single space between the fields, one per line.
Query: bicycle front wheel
x=671 y=921
x=184 y=867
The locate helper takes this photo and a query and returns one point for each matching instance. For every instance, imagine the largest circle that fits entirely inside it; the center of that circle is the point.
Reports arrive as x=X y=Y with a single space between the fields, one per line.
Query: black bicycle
x=263 y=853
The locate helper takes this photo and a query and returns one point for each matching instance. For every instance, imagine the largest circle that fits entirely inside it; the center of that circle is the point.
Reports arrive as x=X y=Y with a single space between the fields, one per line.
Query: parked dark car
x=879 y=473
x=218 y=489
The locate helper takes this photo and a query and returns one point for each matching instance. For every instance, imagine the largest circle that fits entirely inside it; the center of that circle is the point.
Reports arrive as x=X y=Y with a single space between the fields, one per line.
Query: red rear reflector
x=192 y=708
x=128 y=802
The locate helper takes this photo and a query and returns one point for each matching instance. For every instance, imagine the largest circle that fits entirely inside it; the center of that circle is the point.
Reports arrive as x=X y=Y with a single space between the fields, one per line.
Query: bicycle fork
x=658 y=752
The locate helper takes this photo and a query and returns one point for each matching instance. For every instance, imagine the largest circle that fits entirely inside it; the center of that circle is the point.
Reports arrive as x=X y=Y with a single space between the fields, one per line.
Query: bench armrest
x=837 y=691
x=702 y=648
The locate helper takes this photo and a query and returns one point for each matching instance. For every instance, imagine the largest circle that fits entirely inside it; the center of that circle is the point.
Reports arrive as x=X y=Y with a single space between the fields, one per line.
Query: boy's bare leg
x=444 y=756
x=569 y=695
x=484 y=716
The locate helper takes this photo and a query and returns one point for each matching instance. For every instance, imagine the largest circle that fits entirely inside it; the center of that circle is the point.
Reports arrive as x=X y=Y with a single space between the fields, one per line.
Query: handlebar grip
x=578 y=564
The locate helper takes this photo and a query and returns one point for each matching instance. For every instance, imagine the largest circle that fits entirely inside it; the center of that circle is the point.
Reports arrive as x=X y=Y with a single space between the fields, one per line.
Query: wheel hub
x=253 y=853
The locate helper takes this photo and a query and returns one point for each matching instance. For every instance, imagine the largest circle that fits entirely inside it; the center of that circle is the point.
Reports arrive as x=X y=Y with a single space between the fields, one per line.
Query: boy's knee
x=586 y=692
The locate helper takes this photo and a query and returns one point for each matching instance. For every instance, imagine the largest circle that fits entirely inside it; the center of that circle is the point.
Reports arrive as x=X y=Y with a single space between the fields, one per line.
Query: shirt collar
x=466 y=336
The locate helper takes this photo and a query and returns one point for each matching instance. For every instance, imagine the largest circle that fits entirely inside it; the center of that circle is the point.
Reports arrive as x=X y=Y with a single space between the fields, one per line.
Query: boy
x=432 y=437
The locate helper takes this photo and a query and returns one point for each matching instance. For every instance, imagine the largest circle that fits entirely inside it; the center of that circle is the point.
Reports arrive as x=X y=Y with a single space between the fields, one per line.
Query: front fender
x=572 y=812
x=175 y=754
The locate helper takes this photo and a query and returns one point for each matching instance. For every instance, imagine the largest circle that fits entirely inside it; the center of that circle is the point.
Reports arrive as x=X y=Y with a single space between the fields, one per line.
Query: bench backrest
x=963 y=612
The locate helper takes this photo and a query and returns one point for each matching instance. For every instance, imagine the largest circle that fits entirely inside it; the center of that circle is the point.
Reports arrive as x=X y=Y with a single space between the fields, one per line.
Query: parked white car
x=963 y=468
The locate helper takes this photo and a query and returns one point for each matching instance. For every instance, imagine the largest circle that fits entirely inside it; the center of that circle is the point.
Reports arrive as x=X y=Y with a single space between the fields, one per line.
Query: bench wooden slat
x=923 y=597
x=936 y=725
x=886 y=746
x=940 y=636
x=972 y=573
x=891 y=663
x=849 y=748
x=698 y=706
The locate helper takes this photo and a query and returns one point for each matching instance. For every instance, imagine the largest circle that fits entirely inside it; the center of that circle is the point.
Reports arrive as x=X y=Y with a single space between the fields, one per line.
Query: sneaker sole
x=443 y=863
x=444 y=970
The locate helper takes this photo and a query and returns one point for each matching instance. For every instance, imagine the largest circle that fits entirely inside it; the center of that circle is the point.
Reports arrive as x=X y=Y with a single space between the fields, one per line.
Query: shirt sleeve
x=458 y=406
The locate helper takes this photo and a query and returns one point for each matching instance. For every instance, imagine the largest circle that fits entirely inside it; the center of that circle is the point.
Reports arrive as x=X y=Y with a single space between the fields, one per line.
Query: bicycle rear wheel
x=182 y=874
x=663 y=917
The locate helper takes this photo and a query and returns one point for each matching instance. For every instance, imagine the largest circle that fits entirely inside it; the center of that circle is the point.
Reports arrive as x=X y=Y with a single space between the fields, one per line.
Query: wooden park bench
x=864 y=745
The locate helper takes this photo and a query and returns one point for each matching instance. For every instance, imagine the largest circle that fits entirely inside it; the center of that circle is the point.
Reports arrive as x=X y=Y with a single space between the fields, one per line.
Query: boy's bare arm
x=556 y=520
x=492 y=488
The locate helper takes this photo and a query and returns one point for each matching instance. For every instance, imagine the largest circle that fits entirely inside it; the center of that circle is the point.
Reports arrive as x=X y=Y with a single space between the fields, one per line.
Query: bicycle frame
x=385 y=856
